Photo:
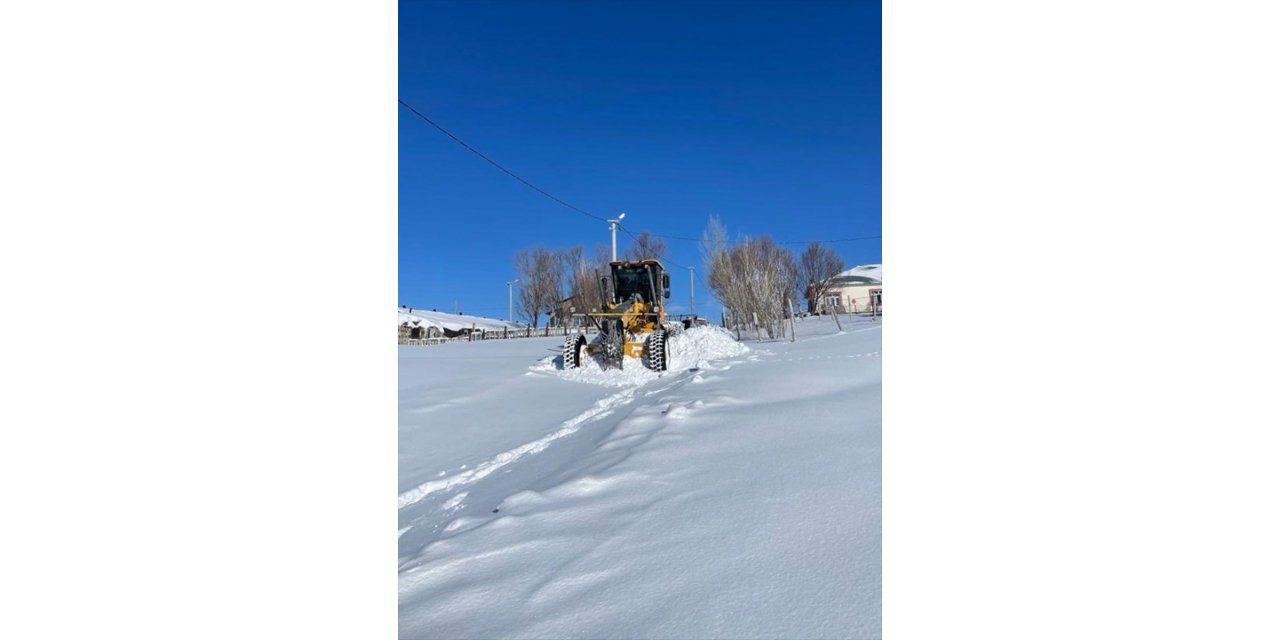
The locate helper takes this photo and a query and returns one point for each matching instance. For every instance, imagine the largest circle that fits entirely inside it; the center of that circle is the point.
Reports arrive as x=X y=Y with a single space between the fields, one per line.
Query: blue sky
x=765 y=114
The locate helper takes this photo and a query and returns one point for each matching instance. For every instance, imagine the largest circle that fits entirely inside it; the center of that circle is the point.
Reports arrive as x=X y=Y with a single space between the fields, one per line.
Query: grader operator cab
x=632 y=321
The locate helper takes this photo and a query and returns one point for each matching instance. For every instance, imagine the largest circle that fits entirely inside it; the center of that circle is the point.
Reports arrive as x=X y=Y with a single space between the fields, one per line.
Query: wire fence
x=750 y=327
x=744 y=327
x=477 y=334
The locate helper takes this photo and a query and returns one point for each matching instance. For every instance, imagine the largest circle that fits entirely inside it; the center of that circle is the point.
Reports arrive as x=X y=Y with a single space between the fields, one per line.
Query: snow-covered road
x=733 y=496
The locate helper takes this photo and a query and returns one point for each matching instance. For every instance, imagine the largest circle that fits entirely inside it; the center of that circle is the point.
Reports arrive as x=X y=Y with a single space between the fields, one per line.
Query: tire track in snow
x=490 y=465
x=469 y=480
x=873 y=354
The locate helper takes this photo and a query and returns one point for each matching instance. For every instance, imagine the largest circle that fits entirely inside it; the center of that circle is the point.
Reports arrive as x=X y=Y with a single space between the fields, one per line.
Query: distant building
x=857 y=290
x=415 y=330
x=563 y=315
x=417 y=326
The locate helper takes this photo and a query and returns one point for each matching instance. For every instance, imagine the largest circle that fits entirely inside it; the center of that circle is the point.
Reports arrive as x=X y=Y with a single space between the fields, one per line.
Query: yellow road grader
x=632 y=322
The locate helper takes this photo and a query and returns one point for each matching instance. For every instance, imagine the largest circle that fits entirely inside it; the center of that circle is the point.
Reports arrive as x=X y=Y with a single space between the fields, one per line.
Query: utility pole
x=613 y=233
x=691 y=313
x=509 y=299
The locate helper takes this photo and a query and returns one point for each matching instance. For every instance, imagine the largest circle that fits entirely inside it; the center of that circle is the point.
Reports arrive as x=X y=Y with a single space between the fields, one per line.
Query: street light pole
x=691 y=312
x=613 y=234
x=509 y=299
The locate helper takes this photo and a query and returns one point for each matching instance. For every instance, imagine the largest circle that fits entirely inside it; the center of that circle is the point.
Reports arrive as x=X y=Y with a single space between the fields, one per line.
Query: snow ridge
x=487 y=467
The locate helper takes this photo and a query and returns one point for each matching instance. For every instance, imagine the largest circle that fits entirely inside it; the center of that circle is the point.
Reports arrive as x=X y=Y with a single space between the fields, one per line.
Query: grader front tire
x=657 y=351
x=574 y=351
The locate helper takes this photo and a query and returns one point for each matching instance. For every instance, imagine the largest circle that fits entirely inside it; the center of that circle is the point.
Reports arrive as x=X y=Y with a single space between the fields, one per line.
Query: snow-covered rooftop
x=871 y=272
x=450 y=321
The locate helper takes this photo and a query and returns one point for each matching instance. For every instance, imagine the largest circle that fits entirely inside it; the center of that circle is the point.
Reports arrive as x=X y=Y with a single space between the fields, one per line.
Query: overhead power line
x=659 y=235
x=667 y=260
x=507 y=171
x=840 y=240
x=492 y=162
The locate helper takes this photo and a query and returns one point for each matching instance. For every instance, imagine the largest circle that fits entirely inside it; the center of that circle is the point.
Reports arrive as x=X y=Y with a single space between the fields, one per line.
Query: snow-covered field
x=735 y=496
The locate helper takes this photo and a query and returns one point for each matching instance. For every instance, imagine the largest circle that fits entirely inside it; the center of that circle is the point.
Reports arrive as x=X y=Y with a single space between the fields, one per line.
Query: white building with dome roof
x=856 y=290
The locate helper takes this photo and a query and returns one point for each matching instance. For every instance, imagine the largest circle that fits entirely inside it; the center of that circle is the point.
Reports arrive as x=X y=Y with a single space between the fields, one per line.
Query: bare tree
x=580 y=276
x=753 y=277
x=645 y=246
x=719 y=270
x=540 y=282
x=819 y=267
x=601 y=269
x=602 y=255
x=769 y=271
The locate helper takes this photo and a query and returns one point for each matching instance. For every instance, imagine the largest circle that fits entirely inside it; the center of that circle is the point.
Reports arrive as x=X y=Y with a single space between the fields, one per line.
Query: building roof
x=861 y=274
x=440 y=319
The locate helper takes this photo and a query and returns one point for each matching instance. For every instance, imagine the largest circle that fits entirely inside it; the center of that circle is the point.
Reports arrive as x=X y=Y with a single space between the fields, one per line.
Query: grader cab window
x=632 y=280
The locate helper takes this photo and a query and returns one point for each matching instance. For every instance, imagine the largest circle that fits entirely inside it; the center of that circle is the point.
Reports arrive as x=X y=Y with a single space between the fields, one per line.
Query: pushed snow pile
x=697 y=346
x=688 y=349
x=632 y=373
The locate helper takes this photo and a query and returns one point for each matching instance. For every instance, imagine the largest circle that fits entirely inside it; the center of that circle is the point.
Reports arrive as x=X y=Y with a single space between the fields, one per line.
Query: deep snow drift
x=736 y=495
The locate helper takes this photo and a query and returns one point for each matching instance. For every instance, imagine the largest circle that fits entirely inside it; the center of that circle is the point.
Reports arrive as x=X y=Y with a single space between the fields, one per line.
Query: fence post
x=792 y=307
